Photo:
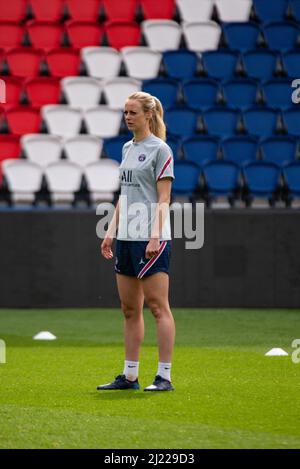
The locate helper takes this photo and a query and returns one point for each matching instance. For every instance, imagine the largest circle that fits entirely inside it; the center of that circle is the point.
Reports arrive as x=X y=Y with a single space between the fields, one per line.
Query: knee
x=157 y=309
x=129 y=311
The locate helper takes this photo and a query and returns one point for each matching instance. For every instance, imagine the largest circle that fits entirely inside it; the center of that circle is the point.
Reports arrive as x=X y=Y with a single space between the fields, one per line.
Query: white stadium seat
x=202 y=36
x=24 y=178
x=233 y=10
x=83 y=149
x=82 y=92
x=101 y=62
x=191 y=10
x=62 y=120
x=63 y=179
x=42 y=149
x=102 y=179
x=141 y=62
x=116 y=90
x=162 y=35
x=103 y=121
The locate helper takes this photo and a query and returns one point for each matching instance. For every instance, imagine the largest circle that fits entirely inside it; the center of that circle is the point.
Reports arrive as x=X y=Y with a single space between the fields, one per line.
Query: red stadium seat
x=11 y=34
x=13 y=10
x=43 y=90
x=2 y=59
x=63 y=62
x=9 y=148
x=121 y=10
x=84 y=33
x=23 y=120
x=122 y=33
x=47 y=11
x=44 y=34
x=158 y=10
x=87 y=10
x=13 y=90
x=24 y=61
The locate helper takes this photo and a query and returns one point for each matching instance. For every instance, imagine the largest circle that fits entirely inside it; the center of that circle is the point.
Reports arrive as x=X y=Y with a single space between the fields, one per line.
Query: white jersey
x=143 y=164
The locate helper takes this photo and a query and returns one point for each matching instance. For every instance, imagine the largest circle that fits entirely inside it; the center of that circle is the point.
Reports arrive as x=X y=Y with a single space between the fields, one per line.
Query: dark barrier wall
x=250 y=258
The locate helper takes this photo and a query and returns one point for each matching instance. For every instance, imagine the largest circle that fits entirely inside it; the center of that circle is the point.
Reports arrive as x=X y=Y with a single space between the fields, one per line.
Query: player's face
x=136 y=119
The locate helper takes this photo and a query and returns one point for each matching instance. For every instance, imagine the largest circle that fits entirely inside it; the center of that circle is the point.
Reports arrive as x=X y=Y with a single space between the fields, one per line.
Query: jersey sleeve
x=164 y=163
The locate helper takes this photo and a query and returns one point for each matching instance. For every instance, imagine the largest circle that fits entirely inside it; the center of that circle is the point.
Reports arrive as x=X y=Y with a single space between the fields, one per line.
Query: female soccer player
x=143 y=240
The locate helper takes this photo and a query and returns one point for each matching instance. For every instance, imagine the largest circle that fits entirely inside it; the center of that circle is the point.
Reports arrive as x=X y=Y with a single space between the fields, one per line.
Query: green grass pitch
x=228 y=394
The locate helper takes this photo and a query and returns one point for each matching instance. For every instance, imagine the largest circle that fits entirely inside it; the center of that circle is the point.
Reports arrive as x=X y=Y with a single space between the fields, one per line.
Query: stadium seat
x=233 y=10
x=261 y=122
x=63 y=62
x=275 y=13
x=13 y=91
x=102 y=180
x=11 y=34
x=47 y=11
x=89 y=10
x=201 y=93
x=125 y=10
x=240 y=149
x=158 y=10
x=103 y=121
x=261 y=179
x=221 y=64
x=186 y=180
x=44 y=34
x=63 y=181
x=180 y=64
x=221 y=179
x=42 y=149
x=281 y=35
x=295 y=6
x=260 y=64
x=42 y=90
x=122 y=34
x=240 y=93
x=24 y=61
x=83 y=149
x=291 y=63
x=201 y=37
x=84 y=33
x=62 y=120
x=200 y=149
x=23 y=179
x=165 y=89
x=162 y=35
x=279 y=150
x=2 y=59
x=192 y=11
x=241 y=36
x=291 y=119
x=112 y=147
x=117 y=90
x=141 y=62
x=181 y=122
x=278 y=93
x=81 y=92
x=291 y=177
x=101 y=62
x=23 y=120
x=175 y=145
x=14 y=10
x=221 y=122
x=9 y=149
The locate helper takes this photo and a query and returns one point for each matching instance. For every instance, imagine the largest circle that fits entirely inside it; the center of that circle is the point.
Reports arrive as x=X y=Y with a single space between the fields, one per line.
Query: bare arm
x=106 y=244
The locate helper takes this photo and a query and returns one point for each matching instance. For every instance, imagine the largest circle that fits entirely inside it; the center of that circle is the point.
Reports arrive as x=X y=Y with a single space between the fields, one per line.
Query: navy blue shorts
x=130 y=258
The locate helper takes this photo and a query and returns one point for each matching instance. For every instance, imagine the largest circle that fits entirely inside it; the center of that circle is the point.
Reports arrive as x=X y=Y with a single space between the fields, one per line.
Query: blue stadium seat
x=261 y=122
x=281 y=35
x=240 y=93
x=260 y=64
x=180 y=64
x=270 y=12
x=220 y=64
x=241 y=36
x=175 y=145
x=291 y=63
x=279 y=150
x=295 y=6
x=221 y=122
x=201 y=93
x=291 y=118
x=186 y=180
x=261 y=179
x=166 y=90
x=291 y=176
x=181 y=122
x=278 y=93
x=112 y=147
x=221 y=178
x=241 y=149
x=200 y=149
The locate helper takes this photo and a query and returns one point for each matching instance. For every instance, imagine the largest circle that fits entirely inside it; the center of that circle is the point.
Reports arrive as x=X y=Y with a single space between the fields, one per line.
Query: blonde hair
x=151 y=103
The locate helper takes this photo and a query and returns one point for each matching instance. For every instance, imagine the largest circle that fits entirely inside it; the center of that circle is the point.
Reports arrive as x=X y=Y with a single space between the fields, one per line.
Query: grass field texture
x=228 y=394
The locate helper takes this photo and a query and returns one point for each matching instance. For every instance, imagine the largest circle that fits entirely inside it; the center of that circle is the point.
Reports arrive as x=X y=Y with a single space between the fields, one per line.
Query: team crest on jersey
x=142 y=157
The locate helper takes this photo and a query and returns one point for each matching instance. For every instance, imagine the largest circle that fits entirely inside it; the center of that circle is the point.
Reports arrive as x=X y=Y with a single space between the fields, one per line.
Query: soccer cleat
x=120 y=383
x=160 y=384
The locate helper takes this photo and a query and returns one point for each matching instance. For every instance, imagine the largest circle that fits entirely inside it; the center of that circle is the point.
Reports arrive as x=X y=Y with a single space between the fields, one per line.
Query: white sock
x=164 y=370
x=131 y=370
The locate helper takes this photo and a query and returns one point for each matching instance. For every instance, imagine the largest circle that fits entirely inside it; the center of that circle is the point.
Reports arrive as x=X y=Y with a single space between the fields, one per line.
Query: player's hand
x=106 y=248
x=152 y=248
